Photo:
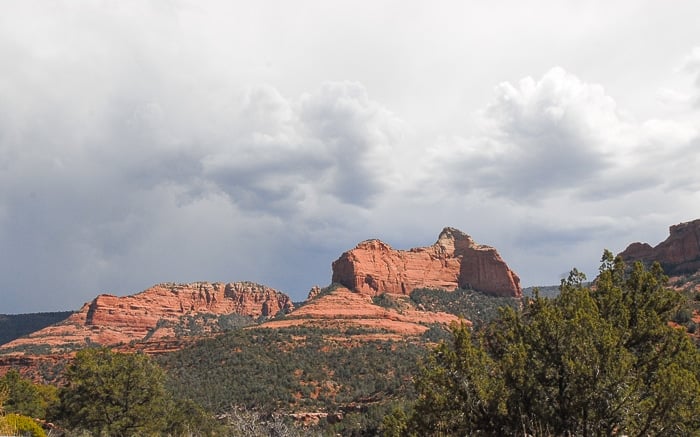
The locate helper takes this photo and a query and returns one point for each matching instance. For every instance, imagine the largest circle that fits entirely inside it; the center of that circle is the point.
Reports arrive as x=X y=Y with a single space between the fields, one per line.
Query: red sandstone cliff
x=110 y=320
x=678 y=254
x=454 y=261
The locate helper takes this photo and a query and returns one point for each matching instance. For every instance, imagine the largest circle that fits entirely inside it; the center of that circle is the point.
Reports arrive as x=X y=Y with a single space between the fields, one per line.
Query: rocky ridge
x=341 y=308
x=110 y=320
x=679 y=254
x=454 y=261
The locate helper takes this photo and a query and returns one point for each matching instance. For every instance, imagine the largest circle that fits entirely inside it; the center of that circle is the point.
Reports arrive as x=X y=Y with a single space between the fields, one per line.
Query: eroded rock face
x=454 y=261
x=110 y=320
x=678 y=254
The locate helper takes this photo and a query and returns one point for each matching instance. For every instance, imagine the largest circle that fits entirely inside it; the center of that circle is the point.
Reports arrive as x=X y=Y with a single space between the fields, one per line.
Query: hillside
x=342 y=360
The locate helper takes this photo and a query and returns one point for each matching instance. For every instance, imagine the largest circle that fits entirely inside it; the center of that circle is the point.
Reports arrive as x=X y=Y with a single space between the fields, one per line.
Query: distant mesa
x=111 y=320
x=454 y=261
x=679 y=254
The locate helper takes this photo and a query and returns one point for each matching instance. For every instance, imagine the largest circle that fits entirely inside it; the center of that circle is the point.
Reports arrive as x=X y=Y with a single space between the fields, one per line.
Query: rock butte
x=454 y=261
x=111 y=320
x=679 y=254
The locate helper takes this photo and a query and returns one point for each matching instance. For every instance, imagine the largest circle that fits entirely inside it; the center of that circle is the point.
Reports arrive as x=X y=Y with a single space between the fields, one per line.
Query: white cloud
x=691 y=63
x=560 y=135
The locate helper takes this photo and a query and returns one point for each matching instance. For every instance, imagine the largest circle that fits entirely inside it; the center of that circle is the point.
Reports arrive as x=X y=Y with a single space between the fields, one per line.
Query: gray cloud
x=143 y=142
x=154 y=182
x=335 y=141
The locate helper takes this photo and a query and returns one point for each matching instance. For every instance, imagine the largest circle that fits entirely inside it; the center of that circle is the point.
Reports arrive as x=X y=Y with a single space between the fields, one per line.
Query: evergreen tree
x=592 y=361
x=114 y=394
x=25 y=397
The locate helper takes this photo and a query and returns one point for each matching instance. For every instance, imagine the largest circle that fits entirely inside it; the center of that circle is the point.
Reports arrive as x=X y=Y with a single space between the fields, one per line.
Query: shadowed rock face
x=454 y=261
x=678 y=254
x=110 y=320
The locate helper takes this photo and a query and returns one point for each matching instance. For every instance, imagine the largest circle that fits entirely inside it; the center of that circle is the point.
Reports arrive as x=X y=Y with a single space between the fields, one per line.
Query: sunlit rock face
x=111 y=320
x=454 y=261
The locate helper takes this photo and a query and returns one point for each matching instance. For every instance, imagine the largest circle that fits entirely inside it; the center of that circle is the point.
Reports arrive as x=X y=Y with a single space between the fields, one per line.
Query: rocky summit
x=679 y=254
x=454 y=261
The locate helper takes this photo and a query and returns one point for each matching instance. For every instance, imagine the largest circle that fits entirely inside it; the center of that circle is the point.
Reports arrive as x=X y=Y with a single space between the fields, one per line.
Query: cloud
x=538 y=137
x=559 y=135
x=691 y=64
x=139 y=180
x=335 y=142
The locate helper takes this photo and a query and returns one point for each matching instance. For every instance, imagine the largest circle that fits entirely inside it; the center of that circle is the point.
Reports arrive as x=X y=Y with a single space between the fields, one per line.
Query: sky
x=144 y=142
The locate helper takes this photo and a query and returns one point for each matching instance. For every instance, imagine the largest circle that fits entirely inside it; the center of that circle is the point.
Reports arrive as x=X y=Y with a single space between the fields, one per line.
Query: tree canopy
x=599 y=360
x=113 y=393
x=25 y=397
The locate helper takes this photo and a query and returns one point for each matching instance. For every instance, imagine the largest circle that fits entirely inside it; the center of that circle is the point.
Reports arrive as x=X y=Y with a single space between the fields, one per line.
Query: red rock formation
x=342 y=308
x=678 y=254
x=110 y=320
x=454 y=261
x=315 y=291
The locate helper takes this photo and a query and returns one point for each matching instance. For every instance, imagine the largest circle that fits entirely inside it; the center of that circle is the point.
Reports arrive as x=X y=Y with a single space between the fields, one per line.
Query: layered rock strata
x=454 y=261
x=111 y=320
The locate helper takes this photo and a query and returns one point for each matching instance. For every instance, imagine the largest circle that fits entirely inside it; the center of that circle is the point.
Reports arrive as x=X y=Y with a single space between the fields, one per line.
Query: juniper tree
x=593 y=361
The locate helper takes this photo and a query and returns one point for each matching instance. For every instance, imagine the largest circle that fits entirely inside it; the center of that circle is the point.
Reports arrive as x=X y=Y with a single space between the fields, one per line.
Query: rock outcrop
x=111 y=320
x=679 y=254
x=341 y=309
x=454 y=261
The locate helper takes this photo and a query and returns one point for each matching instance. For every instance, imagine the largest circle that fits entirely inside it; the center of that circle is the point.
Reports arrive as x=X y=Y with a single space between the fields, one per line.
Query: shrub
x=22 y=425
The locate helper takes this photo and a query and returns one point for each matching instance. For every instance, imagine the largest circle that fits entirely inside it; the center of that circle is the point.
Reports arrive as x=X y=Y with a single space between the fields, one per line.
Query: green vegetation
x=544 y=291
x=13 y=423
x=109 y=393
x=475 y=306
x=17 y=424
x=688 y=286
x=592 y=361
x=198 y=324
x=26 y=398
x=292 y=369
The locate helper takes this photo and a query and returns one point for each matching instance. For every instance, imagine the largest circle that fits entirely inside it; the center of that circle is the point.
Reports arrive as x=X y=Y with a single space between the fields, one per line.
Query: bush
x=21 y=425
x=25 y=397
x=683 y=316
